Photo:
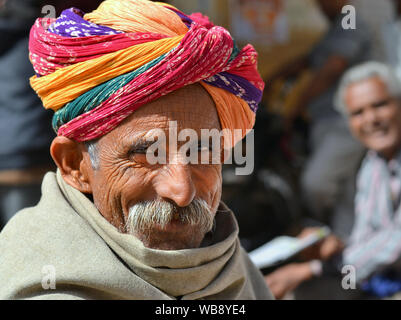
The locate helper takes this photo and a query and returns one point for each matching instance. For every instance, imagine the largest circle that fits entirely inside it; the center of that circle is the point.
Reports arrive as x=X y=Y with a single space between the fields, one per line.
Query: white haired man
x=369 y=97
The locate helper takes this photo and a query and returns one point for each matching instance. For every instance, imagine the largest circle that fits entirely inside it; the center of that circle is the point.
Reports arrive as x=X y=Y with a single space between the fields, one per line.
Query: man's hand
x=288 y=278
x=324 y=249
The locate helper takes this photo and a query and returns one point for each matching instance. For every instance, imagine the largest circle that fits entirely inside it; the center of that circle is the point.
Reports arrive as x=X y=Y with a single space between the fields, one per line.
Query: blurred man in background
x=369 y=98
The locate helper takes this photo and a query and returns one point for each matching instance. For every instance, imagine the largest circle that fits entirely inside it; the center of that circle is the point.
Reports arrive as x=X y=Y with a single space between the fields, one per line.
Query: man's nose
x=175 y=183
x=370 y=117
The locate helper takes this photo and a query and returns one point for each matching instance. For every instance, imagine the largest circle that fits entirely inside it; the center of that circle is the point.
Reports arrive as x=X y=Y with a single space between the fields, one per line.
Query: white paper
x=284 y=247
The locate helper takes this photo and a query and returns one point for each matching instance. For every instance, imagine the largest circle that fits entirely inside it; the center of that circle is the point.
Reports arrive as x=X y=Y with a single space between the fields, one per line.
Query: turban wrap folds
x=94 y=70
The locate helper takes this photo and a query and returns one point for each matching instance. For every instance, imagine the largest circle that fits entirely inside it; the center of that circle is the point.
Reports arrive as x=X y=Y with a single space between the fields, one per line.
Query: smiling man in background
x=371 y=93
x=369 y=98
x=110 y=224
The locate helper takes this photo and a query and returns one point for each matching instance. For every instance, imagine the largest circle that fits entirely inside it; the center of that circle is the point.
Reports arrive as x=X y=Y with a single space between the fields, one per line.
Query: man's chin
x=173 y=237
x=387 y=148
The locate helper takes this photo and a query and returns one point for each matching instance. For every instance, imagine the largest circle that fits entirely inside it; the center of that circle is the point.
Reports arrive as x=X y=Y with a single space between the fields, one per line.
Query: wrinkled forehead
x=190 y=107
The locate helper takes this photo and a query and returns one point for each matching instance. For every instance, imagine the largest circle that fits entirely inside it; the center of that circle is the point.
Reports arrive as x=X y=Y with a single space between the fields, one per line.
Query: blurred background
x=305 y=158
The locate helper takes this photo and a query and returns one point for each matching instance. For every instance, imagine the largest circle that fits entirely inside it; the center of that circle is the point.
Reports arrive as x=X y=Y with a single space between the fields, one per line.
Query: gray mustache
x=145 y=215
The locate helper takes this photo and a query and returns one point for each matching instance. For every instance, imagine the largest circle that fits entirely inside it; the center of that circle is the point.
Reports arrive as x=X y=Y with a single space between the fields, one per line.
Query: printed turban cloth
x=94 y=70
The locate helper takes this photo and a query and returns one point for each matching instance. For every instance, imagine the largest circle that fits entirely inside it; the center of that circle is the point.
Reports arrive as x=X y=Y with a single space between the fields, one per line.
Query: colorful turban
x=94 y=70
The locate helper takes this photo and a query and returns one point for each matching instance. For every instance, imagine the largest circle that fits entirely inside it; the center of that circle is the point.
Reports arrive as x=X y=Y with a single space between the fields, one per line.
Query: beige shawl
x=66 y=240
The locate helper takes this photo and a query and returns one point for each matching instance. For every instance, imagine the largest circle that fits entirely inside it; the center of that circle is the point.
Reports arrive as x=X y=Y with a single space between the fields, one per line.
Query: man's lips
x=376 y=133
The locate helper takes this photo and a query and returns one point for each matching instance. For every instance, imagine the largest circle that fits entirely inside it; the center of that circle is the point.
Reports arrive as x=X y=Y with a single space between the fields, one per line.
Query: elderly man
x=369 y=97
x=111 y=224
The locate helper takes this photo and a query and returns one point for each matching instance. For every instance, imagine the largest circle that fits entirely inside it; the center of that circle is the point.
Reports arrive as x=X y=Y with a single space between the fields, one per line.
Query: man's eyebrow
x=381 y=101
x=141 y=143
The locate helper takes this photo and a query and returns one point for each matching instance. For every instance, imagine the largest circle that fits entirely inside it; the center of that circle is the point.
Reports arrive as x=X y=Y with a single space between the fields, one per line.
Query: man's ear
x=73 y=165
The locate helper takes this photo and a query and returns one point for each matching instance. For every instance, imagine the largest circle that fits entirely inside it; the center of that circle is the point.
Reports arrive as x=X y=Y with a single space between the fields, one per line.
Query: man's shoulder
x=52 y=220
x=49 y=236
x=41 y=231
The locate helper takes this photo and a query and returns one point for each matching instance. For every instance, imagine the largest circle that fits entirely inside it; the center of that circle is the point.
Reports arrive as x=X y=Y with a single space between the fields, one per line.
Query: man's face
x=125 y=180
x=374 y=116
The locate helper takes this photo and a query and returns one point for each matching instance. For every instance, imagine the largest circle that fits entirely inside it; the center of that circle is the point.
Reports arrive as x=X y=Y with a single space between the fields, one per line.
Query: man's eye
x=138 y=150
x=381 y=103
x=356 y=113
